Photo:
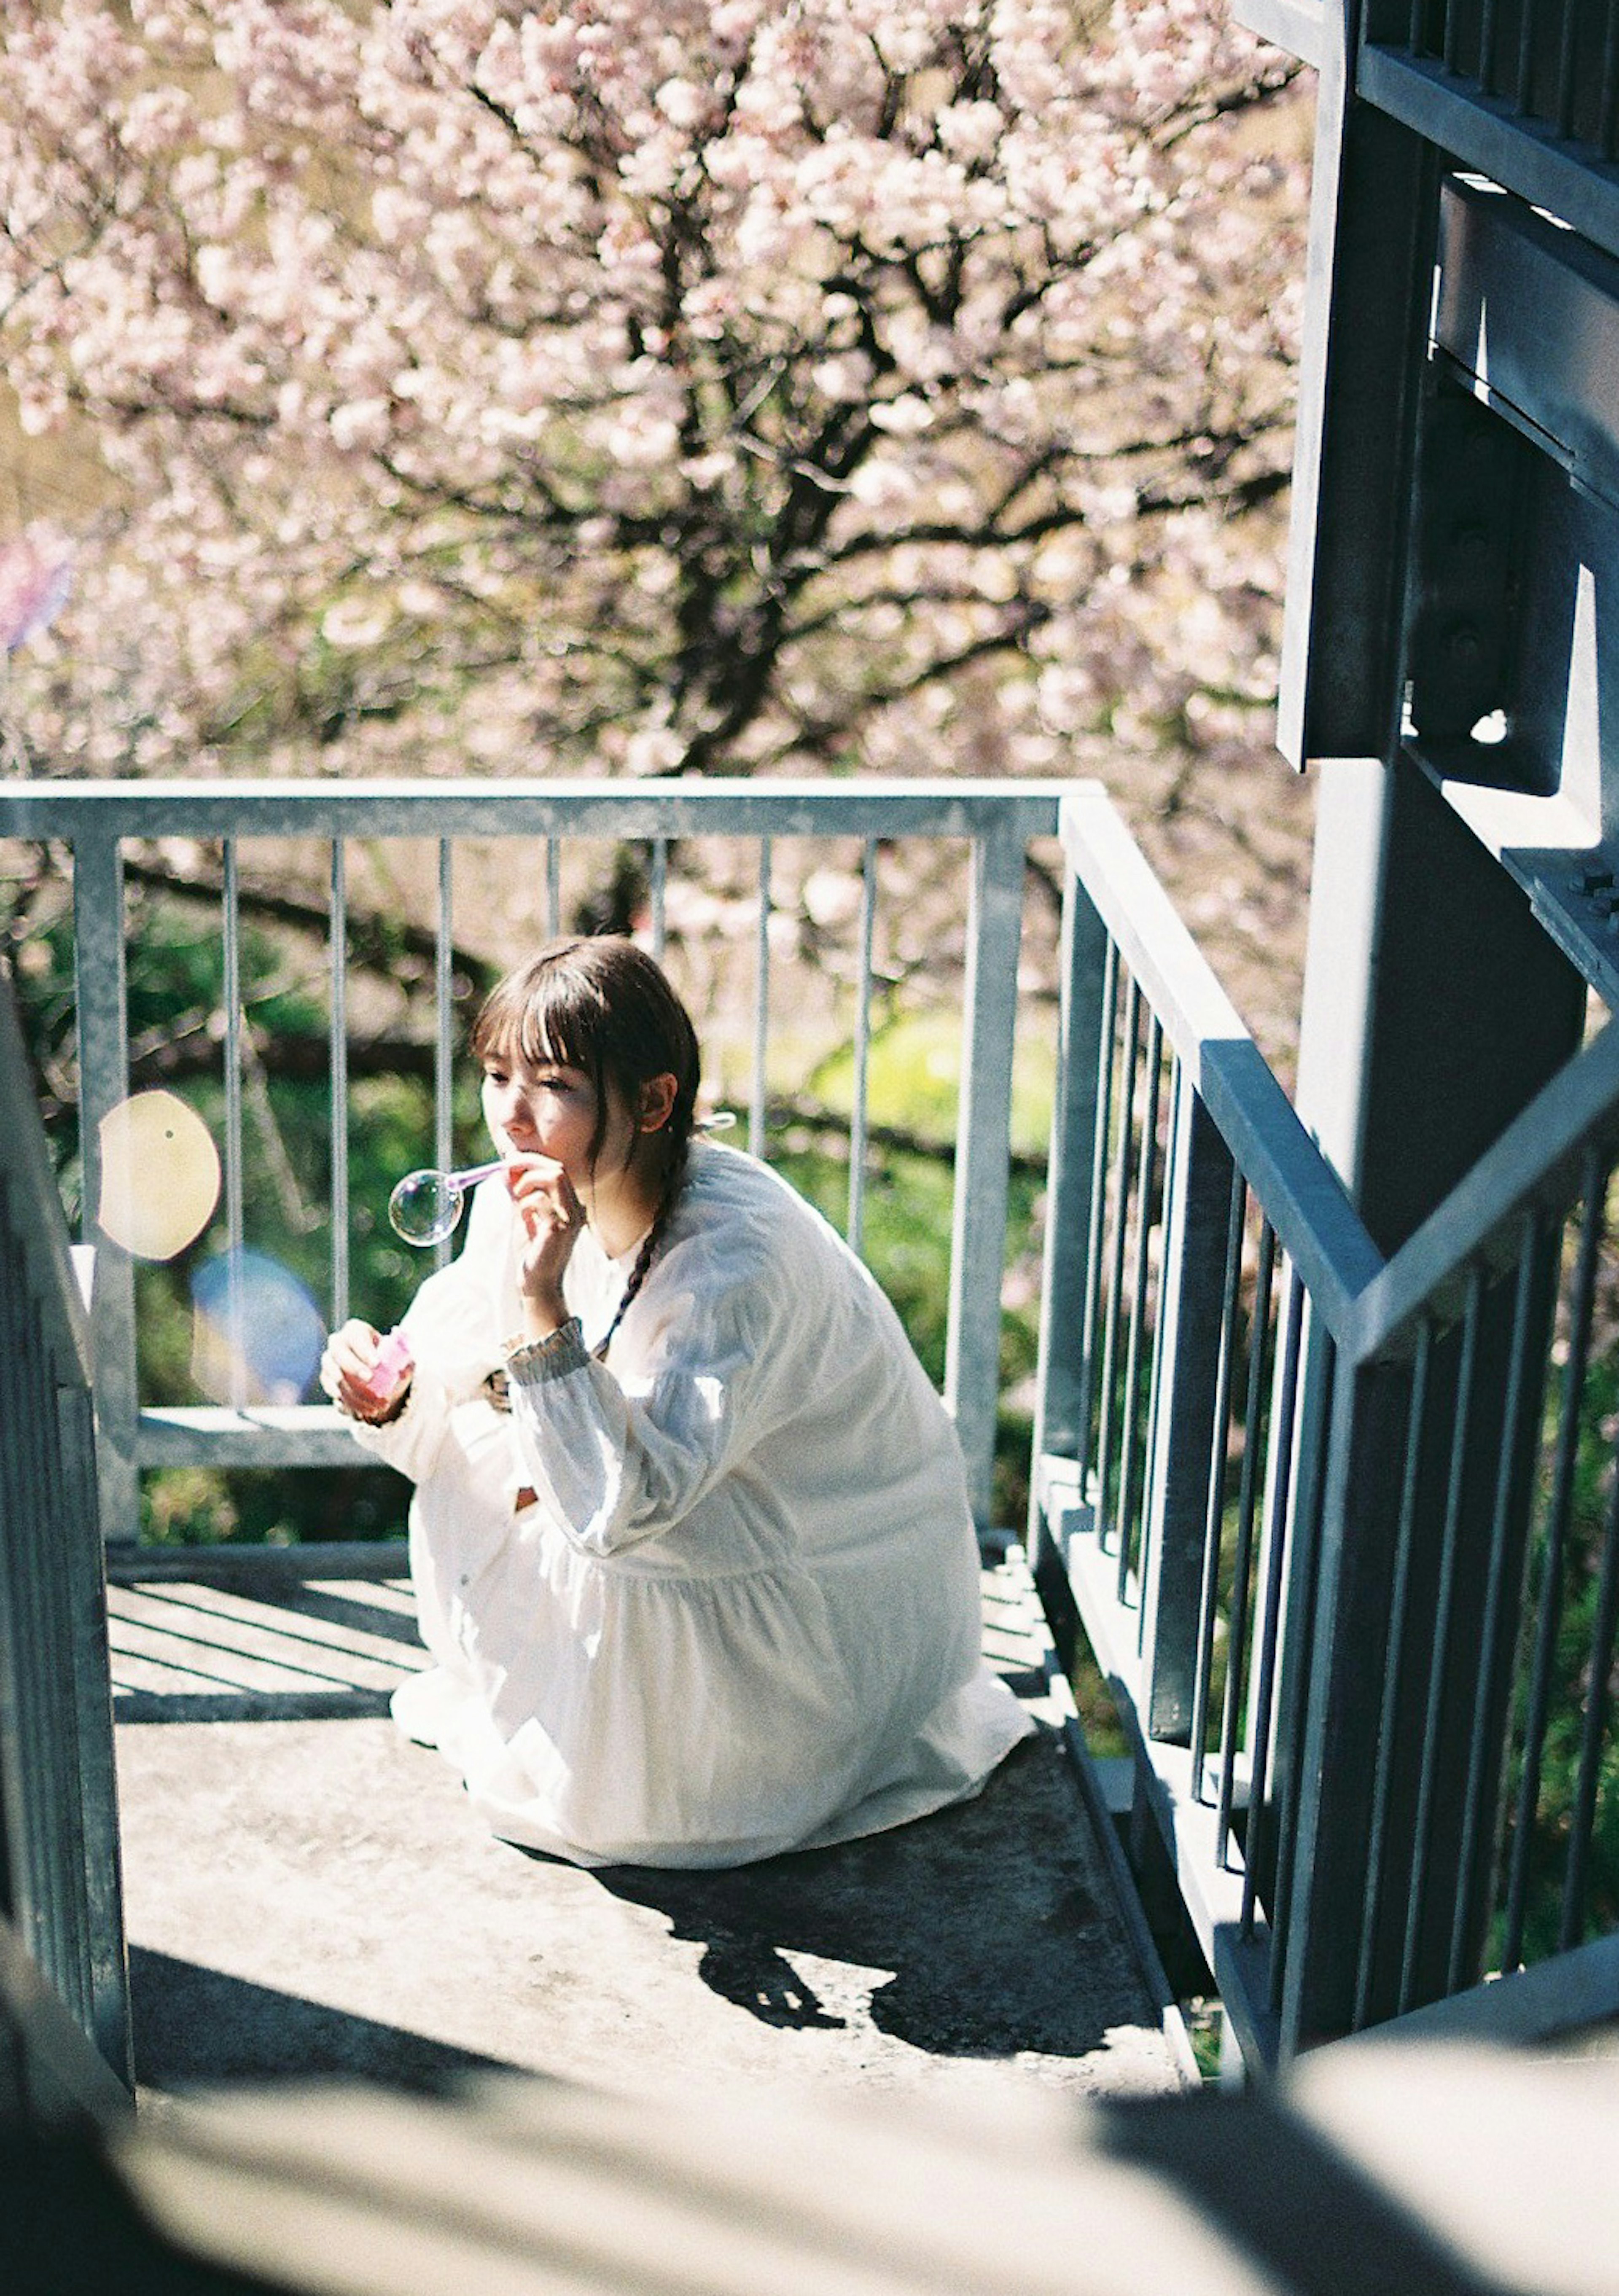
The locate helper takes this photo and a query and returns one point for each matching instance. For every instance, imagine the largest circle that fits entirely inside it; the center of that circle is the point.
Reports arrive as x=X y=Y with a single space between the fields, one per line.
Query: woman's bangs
x=558 y=1025
x=537 y=1020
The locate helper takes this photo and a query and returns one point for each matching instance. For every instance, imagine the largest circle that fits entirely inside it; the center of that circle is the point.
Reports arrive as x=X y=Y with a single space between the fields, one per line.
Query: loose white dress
x=719 y=1599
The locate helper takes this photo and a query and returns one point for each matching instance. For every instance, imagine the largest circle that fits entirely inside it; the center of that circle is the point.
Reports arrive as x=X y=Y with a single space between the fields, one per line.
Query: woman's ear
x=658 y=1096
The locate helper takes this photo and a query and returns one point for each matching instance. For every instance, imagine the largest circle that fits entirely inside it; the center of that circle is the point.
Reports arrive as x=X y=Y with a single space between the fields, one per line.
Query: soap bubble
x=425 y=1207
x=160 y=1176
x=257 y=1333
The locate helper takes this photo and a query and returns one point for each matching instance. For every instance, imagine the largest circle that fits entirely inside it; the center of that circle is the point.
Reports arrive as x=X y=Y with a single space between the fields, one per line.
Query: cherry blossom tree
x=650 y=385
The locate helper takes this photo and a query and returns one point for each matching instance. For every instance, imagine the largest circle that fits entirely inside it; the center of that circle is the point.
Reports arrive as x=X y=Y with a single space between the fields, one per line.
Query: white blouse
x=716 y=1598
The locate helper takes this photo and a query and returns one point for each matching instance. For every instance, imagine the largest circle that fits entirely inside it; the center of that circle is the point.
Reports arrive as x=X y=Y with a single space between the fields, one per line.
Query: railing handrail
x=1299 y=27
x=1370 y=1302
x=1301 y=1196
x=1517 y=143
x=716 y=808
x=1539 y=1162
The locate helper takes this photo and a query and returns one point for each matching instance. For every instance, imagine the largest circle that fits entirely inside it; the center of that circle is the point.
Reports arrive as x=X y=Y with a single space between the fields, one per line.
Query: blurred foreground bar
x=1384 y=2166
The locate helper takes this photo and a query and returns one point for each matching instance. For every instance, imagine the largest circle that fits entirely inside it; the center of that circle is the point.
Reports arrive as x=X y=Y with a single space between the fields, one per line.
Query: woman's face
x=547 y=1109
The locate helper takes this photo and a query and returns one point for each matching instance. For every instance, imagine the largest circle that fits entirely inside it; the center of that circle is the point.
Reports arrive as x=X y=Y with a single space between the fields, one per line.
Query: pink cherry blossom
x=898 y=383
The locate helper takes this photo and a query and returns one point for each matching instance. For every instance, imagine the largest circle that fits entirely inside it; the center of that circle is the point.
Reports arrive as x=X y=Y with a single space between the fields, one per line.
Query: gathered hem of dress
x=950 y=1760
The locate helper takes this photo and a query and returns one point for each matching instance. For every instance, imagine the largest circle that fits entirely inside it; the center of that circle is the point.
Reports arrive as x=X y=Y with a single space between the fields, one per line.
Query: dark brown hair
x=600 y=1004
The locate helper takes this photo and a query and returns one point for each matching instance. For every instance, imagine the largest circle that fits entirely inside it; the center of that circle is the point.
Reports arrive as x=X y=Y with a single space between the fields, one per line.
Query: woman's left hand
x=551 y=1216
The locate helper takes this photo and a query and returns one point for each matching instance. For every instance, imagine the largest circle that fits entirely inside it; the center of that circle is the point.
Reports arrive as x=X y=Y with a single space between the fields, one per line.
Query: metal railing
x=1331 y=1552
x=1320 y=1533
x=1195 y=1235
x=1550 y=67
x=1525 y=92
x=545 y=825
x=62 y=1975
x=1485 y=1847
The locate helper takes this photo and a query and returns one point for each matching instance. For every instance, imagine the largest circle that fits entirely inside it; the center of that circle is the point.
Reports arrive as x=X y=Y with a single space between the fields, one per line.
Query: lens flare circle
x=257 y=1333
x=160 y=1176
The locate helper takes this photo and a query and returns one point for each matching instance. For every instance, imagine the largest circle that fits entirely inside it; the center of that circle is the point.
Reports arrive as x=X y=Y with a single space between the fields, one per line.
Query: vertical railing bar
x=1486 y=47
x=1301 y=1570
x=1494 y=1590
x=235 y=1304
x=100 y=983
x=33 y=1752
x=444 y=952
x=1063 y=1384
x=862 y=1048
x=69 y=1891
x=337 y=1064
x=1214 y=1520
x=1236 y=1637
x=23 y=1787
x=94 y=1755
x=1416 y=28
x=1452 y=39
x=1130 y=1441
x=1565 y=68
x=22 y=1778
x=553 y=886
x=1098 y=1205
x=1605 y=1627
x=1439 y=1655
x=1523 y=93
x=761 y=1005
x=1608 y=113
x=1155 y=1382
x=1115 y=1285
x=1559 y=1504
x=60 y=1837
x=1281 y=1448
x=1393 y=1666
x=63 y=1832
x=659 y=896
x=981 y=1185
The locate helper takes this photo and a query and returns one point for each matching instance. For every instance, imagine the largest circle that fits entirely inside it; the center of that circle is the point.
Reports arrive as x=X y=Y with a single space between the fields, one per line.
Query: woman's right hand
x=551 y=1219
x=351 y=1375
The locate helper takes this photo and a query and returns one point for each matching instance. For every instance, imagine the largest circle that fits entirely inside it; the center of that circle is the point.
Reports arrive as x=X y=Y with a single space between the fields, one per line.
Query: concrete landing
x=307 y=1893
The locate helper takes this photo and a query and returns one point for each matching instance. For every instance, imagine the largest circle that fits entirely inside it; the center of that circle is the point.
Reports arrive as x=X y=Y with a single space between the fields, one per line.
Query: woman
x=690 y=1538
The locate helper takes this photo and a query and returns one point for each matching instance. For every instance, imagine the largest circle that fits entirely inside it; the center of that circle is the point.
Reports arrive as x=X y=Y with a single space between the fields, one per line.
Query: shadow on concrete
x=1275 y=2191
x=357 y=1609
x=983 y=1918
x=196 y=2026
x=253 y=1646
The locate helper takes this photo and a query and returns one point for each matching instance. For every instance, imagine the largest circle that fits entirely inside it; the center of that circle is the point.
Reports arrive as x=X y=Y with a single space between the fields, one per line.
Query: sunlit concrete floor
x=306 y=1893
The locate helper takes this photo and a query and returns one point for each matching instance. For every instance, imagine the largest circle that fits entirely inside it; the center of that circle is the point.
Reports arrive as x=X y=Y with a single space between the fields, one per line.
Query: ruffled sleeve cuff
x=532 y=1362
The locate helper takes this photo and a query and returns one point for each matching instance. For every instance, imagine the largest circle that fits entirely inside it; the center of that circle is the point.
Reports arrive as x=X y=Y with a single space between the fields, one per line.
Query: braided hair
x=599 y=1004
x=638 y=1273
